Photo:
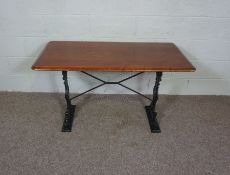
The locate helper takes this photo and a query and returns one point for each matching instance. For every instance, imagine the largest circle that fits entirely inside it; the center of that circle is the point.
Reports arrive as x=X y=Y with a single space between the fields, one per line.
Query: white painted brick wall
x=201 y=29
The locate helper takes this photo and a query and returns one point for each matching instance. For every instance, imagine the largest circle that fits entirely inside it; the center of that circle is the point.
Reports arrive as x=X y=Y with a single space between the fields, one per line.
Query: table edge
x=118 y=69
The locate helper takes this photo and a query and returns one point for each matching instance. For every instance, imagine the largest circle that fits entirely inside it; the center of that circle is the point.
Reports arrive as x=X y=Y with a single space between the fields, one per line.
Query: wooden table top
x=112 y=56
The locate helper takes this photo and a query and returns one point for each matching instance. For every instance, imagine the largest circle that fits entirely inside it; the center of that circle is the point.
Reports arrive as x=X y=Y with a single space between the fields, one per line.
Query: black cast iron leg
x=150 y=110
x=70 y=109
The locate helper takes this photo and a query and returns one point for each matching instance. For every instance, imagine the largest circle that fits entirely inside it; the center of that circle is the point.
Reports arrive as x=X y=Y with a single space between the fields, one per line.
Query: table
x=112 y=56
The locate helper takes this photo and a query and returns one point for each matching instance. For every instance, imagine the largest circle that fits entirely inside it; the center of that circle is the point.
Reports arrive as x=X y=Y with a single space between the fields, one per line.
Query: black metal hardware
x=135 y=92
x=106 y=82
x=87 y=91
x=70 y=109
x=150 y=110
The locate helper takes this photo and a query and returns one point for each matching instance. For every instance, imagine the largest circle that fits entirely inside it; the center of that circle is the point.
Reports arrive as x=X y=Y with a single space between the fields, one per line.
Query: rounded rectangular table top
x=112 y=56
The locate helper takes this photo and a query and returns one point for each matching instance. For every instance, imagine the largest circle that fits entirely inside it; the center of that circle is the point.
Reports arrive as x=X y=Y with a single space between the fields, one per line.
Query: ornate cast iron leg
x=150 y=110
x=70 y=109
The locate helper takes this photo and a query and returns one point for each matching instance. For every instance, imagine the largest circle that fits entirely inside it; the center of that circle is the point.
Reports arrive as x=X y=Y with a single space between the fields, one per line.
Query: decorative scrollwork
x=155 y=90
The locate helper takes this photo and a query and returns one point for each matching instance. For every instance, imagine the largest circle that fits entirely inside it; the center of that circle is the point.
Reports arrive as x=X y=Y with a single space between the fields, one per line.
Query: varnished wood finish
x=112 y=56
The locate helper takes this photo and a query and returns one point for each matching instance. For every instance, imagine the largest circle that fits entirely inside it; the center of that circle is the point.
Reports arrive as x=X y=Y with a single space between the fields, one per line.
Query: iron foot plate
x=152 y=117
x=68 y=121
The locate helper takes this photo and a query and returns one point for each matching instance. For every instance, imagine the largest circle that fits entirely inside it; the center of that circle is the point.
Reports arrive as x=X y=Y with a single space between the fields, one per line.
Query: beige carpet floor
x=111 y=136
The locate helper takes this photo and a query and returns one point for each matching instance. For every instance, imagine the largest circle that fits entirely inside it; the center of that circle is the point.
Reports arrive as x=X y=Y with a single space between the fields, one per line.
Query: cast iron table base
x=150 y=110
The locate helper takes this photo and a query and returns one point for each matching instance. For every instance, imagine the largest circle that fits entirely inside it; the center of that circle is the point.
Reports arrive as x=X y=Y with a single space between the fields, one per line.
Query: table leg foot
x=153 y=122
x=68 y=120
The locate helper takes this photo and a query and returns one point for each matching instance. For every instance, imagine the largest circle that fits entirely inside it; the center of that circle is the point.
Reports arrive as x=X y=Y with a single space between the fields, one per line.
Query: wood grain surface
x=112 y=56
